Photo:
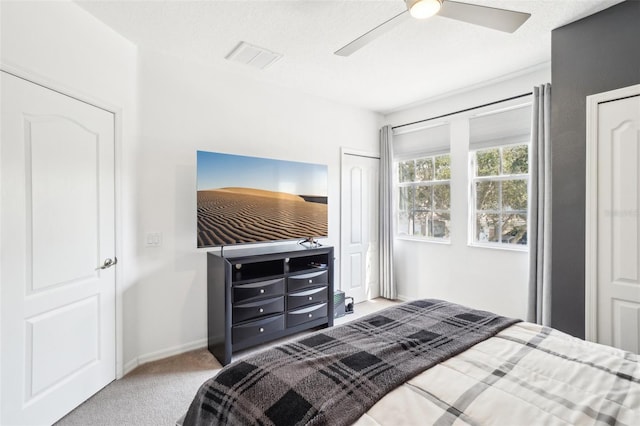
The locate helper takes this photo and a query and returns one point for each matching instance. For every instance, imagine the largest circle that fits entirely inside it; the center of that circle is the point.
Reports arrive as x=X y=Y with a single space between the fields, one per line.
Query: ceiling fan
x=490 y=17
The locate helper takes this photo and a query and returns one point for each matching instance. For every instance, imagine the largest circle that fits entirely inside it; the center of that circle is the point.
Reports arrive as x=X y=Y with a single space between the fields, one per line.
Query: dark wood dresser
x=256 y=295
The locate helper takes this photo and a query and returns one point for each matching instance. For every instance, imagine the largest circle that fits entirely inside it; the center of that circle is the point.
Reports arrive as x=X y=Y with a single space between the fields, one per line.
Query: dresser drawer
x=307 y=297
x=260 y=308
x=257 y=328
x=313 y=279
x=261 y=289
x=300 y=316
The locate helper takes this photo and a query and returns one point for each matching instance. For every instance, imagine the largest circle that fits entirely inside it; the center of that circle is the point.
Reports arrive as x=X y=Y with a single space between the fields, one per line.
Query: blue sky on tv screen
x=216 y=170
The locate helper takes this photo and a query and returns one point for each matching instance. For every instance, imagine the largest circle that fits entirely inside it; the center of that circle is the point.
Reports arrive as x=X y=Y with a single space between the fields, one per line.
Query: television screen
x=254 y=200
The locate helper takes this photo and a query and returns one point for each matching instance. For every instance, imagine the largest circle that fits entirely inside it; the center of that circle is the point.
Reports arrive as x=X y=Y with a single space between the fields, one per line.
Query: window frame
x=473 y=210
x=421 y=184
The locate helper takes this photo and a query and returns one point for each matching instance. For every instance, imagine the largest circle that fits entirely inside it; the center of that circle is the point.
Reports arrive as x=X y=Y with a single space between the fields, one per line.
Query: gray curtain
x=539 y=310
x=387 y=281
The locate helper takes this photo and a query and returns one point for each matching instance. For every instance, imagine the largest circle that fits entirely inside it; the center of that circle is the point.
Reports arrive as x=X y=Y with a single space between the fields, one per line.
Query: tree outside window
x=424 y=197
x=500 y=188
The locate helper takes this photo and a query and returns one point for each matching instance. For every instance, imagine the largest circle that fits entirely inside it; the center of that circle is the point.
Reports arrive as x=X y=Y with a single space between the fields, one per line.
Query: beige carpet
x=159 y=393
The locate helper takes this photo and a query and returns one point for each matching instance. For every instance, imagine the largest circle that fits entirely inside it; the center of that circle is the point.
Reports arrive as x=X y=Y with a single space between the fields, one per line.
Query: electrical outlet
x=154 y=239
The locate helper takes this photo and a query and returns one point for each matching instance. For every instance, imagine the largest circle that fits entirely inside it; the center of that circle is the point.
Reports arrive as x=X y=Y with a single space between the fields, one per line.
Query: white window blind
x=420 y=141
x=507 y=127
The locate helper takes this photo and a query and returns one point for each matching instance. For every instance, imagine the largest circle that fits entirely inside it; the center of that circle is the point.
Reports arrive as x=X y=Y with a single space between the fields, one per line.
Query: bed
x=426 y=362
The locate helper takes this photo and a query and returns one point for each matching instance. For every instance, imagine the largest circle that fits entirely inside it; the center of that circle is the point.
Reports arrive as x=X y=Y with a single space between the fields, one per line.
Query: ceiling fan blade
x=490 y=17
x=371 y=35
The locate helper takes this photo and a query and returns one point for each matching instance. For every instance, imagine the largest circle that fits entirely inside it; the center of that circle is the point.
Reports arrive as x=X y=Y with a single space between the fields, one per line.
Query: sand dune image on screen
x=246 y=215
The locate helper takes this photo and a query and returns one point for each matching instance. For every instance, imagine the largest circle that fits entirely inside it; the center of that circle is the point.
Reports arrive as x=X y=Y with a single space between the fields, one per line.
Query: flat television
x=243 y=200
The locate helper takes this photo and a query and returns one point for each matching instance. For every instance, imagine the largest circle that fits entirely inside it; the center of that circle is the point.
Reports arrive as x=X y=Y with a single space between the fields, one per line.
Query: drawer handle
x=262 y=291
x=310 y=297
x=261 y=310
x=310 y=315
x=310 y=281
x=261 y=330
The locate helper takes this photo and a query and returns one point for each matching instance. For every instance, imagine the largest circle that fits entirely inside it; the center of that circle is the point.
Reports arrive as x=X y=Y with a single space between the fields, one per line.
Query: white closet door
x=359 y=276
x=618 y=223
x=57 y=229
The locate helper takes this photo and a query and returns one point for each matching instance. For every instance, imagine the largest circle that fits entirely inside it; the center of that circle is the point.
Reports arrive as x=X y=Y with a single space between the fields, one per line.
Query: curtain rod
x=462 y=110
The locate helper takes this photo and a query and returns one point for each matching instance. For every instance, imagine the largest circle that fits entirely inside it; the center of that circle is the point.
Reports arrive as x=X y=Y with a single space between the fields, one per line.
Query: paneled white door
x=618 y=224
x=359 y=263
x=57 y=230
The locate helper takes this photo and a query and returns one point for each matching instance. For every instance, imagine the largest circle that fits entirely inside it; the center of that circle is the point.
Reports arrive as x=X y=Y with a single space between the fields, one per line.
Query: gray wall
x=593 y=55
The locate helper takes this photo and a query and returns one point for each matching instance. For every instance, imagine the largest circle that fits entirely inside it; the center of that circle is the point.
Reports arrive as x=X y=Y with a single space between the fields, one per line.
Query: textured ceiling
x=416 y=60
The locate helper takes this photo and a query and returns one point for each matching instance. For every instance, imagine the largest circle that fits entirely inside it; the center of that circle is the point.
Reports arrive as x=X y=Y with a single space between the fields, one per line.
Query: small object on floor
x=349 y=307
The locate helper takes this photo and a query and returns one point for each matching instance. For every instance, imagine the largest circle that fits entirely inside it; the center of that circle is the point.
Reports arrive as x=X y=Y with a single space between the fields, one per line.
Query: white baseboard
x=129 y=367
x=403 y=298
x=165 y=353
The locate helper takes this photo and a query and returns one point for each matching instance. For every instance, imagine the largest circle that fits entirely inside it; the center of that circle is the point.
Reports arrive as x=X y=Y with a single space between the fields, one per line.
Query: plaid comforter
x=525 y=375
x=335 y=376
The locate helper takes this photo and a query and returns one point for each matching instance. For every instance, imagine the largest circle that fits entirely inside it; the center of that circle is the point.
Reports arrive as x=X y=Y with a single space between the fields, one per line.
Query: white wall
x=486 y=278
x=60 y=45
x=168 y=110
x=186 y=107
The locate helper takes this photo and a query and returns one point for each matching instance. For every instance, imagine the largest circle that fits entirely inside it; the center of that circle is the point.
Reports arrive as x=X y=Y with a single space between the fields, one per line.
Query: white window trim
x=472 y=199
x=430 y=240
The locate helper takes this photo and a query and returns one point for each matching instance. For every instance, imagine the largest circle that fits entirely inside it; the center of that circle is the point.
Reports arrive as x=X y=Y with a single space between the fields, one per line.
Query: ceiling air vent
x=254 y=56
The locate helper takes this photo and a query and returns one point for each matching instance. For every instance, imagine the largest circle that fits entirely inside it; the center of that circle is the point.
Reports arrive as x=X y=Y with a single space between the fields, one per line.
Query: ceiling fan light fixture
x=422 y=9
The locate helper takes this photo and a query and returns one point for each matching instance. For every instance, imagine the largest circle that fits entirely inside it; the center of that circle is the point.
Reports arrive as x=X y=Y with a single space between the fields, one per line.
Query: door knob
x=108 y=263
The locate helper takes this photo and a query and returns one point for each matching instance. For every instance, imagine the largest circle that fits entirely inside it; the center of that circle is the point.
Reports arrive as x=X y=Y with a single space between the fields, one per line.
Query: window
x=423 y=173
x=500 y=181
x=424 y=197
x=499 y=175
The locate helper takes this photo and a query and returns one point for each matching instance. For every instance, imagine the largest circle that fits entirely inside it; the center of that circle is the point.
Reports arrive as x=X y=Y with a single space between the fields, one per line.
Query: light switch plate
x=153 y=239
